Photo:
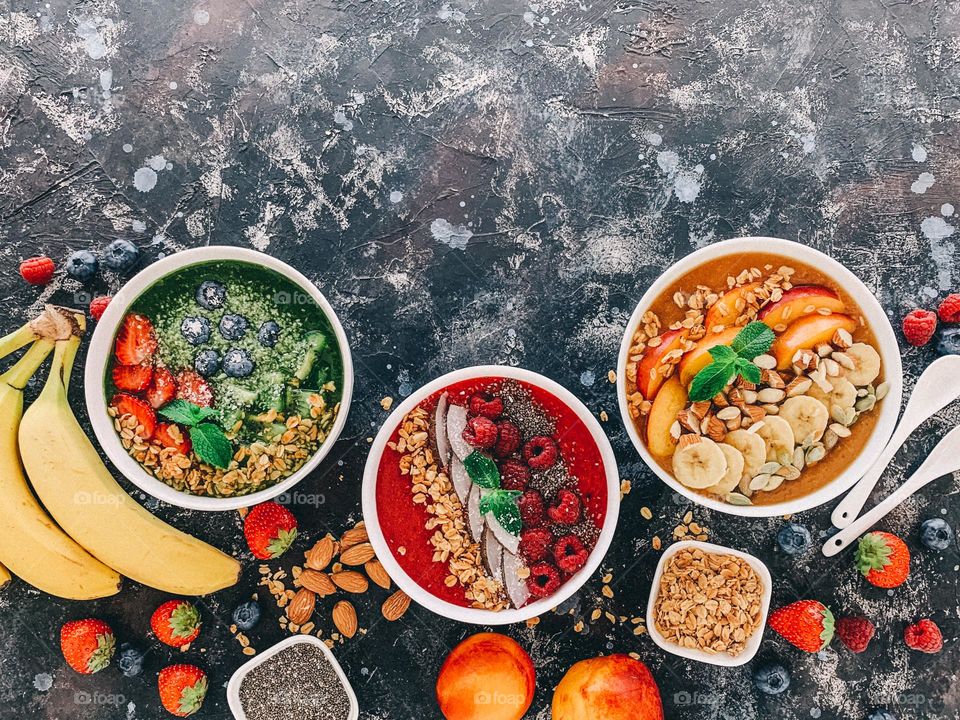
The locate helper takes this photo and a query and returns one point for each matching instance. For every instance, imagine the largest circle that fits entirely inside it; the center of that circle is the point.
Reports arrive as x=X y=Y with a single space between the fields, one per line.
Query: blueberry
x=233 y=327
x=881 y=714
x=196 y=329
x=936 y=534
x=237 y=363
x=82 y=265
x=207 y=362
x=130 y=660
x=794 y=539
x=269 y=333
x=121 y=255
x=771 y=679
x=211 y=295
x=246 y=615
x=949 y=342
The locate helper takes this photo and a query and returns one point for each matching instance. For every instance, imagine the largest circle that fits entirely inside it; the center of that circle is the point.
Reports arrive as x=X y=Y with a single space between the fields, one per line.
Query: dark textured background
x=493 y=182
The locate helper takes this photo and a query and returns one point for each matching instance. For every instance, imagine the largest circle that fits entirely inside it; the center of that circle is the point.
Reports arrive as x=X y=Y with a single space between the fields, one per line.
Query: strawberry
x=87 y=645
x=270 y=529
x=136 y=340
x=98 y=306
x=855 y=632
x=923 y=635
x=163 y=389
x=176 y=623
x=193 y=388
x=884 y=559
x=182 y=689
x=807 y=624
x=172 y=436
x=130 y=405
x=37 y=270
x=132 y=378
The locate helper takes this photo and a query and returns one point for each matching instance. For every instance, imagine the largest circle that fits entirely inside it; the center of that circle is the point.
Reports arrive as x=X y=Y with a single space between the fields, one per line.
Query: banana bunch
x=104 y=531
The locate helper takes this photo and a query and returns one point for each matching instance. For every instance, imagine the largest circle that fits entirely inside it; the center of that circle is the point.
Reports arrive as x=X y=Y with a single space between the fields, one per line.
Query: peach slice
x=806 y=333
x=697 y=359
x=669 y=401
x=798 y=302
x=649 y=379
x=724 y=311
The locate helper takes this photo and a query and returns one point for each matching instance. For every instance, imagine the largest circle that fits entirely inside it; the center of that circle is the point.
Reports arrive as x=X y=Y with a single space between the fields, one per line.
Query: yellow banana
x=75 y=486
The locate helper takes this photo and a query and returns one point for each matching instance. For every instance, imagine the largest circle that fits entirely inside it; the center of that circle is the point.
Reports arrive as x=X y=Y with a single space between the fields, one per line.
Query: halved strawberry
x=167 y=434
x=163 y=389
x=130 y=405
x=132 y=378
x=136 y=341
x=193 y=388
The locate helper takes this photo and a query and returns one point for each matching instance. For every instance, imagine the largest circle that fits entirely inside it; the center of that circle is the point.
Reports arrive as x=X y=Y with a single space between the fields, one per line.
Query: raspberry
x=531 y=509
x=567 y=509
x=486 y=406
x=544 y=580
x=855 y=632
x=37 y=270
x=98 y=306
x=480 y=432
x=535 y=544
x=570 y=554
x=540 y=452
x=949 y=310
x=919 y=326
x=514 y=475
x=924 y=636
x=508 y=440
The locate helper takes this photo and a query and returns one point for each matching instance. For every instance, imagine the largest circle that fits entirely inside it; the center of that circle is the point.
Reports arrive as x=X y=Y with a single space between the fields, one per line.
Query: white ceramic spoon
x=937 y=387
x=944 y=459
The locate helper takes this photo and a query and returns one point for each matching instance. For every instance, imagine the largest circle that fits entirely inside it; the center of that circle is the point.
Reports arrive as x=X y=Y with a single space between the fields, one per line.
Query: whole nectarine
x=486 y=677
x=615 y=687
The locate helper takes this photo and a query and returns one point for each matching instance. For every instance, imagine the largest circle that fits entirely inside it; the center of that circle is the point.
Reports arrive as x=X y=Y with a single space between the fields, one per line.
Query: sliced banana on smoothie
x=751 y=447
x=843 y=395
x=731 y=478
x=700 y=463
x=778 y=437
x=866 y=364
x=807 y=417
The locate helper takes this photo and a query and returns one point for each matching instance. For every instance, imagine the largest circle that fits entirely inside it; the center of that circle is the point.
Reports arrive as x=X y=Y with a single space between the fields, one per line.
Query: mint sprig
x=209 y=442
x=185 y=413
x=482 y=470
x=502 y=503
x=729 y=361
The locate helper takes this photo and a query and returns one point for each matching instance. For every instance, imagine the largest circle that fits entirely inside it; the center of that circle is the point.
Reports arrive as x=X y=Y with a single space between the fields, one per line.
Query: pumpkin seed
x=882 y=390
x=798 y=459
x=788 y=472
x=759 y=482
x=775 y=482
x=866 y=404
x=816 y=454
x=738 y=499
x=768 y=468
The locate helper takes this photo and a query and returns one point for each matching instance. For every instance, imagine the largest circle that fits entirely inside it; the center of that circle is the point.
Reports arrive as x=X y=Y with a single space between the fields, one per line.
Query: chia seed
x=520 y=407
x=298 y=682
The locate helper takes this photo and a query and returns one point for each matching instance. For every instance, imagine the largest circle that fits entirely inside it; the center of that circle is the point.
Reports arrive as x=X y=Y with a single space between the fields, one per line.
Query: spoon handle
x=937 y=387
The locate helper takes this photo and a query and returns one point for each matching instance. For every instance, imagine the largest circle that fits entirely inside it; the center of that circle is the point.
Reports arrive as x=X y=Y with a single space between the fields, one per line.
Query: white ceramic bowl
x=233 y=688
x=101 y=350
x=475 y=615
x=753 y=642
x=889 y=349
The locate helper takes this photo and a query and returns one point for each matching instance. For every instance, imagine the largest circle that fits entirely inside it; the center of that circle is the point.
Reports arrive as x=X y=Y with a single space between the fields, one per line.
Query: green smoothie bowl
x=218 y=378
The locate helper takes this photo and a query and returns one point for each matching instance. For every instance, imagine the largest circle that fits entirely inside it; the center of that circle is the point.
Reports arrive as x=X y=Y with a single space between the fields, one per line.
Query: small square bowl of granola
x=699 y=587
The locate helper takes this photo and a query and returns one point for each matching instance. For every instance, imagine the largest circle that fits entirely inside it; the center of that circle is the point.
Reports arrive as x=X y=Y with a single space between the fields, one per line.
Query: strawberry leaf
x=282 y=542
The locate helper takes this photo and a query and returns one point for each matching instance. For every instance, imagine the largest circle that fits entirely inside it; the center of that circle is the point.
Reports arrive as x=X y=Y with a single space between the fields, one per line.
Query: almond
x=377 y=573
x=352 y=537
x=395 y=606
x=318 y=582
x=301 y=607
x=351 y=581
x=320 y=555
x=345 y=618
x=716 y=430
x=357 y=554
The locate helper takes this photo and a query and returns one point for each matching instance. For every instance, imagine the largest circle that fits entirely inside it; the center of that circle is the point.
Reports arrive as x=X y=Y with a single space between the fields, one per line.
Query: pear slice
x=474 y=517
x=516 y=587
x=456 y=422
x=440 y=429
x=461 y=480
x=492 y=554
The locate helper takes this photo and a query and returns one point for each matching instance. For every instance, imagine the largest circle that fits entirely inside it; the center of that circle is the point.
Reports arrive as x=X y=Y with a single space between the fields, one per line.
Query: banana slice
x=777 y=435
x=866 y=362
x=844 y=394
x=806 y=416
x=699 y=464
x=731 y=478
x=752 y=447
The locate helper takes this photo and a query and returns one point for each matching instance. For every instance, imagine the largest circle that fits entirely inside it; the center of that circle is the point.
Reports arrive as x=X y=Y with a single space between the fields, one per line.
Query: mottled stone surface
x=493 y=182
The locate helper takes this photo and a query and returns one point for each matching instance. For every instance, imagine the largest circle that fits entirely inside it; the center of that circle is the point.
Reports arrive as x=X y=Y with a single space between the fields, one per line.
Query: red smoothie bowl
x=490 y=495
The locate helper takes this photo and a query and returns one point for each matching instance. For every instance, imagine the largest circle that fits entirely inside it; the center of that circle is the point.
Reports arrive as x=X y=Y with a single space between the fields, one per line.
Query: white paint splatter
x=456 y=237
x=808 y=142
x=145 y=179
x=587 y=378
x=936 y=228
x=396 y=196
x=138 y=226
x=157 y=162
x=127 y=148
x=201 y=16
x=687 y=186
x=106 y=81
x=919 y=153
x=668 y=161
x=173 y=85
x=923 y=183
x=88 y=30
x=655 y=139
x=447 y=14
x=43 y=681
x=341 y=119
x=946 y=210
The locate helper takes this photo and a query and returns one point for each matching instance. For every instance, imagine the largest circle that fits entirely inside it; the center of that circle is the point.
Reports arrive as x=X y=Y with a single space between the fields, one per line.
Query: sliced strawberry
x=132 y=378
x=193 y=388
x=130 y=405
x=163 y=389
x=136 y=341
x=167 y=434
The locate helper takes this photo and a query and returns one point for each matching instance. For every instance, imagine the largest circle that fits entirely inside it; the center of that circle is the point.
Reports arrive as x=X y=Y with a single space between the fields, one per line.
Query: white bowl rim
x=100 y=351
x=479 y=616
x=873 y=312
x=233 y=687
x=724 y=659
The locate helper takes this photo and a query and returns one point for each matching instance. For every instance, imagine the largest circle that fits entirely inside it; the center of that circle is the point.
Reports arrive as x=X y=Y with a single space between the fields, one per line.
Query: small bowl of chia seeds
x=296 y=678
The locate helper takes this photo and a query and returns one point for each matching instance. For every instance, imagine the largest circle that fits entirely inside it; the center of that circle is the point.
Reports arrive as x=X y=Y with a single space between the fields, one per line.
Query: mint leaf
x=722 y=352
x=482 y=470
x=755 y=339
x=211 y=445
x=749 y=371
x=712 y=379
x=186 y=413
x=503 y=505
